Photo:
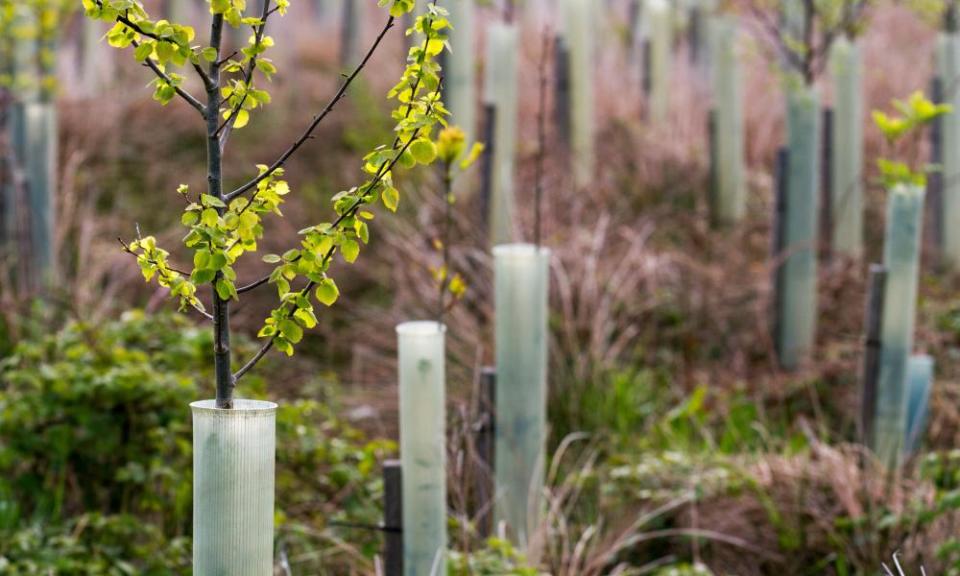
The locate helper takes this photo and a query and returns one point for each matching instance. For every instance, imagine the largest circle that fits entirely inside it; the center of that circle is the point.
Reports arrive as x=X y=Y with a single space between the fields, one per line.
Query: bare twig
x=541 y=138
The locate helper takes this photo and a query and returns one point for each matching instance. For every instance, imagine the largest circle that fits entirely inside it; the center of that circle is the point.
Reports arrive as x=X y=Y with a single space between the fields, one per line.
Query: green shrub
x=95 y=439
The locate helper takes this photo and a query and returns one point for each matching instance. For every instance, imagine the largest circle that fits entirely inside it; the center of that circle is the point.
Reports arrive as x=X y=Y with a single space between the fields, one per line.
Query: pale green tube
x=847 y=147
x=233 y=488
x=660 y=25
x=33 y=130
x=798 y=313
x=500 y=89
x=521 y=278
x=178 y=11
x=423 y=447
x=91 y=54
x=579 y=32
x=730 y=184
x=351 y=41
x=40 y=163
x=948 y=66
x=919 y=385
x=461 y=66
x=902 y=260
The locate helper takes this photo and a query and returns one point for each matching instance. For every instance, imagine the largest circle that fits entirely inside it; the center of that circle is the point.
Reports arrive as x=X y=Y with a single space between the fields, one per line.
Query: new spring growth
x=451 y=149
x=909 y=118
x=220 y=230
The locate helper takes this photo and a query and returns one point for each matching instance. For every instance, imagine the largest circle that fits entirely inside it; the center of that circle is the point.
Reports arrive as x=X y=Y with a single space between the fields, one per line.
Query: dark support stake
x=871 y=356
x=486 y=163
x=826 y=180
x=713 y=186
x=779 y=237
x=633 y=14
x=935 y=179
x=392 y=518
x=647 y=79
x=696 y=21
x=485 y=443
x=562 y=89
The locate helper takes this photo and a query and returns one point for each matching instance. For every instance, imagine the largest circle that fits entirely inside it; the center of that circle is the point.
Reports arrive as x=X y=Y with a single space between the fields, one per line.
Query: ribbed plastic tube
x=233 y=488
x=521 y=279
x=579 y=30
x=948 y=67
x=461 y=66
x=847 y=146
x=660 y=25
x=33 y=130
x=730 y=184
x=919 y=385
x=798 y=312
x=423 y=447
x=500 y=89
x=902 y=260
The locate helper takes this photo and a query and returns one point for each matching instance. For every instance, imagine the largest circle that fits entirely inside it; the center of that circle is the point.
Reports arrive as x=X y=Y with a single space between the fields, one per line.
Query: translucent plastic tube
x=798 y=313
x=233 y=488
x=660 y=25
x=423 y=447
x=919 y=385
x=521 y=278
x=730 y=184
x=847 y=147
x=500 y=90
x=33 y=131
x=948 y=67
x=461 y=65
x=579 y=25
x=902 y=260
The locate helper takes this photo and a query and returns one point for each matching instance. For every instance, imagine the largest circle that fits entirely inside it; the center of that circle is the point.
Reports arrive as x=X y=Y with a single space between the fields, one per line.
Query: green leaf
x=350 y=250
x=391 y=198
x=209 y=217
x=291 y=330
x=424 y=151
x=327 y=292
x=143 y=52
x=241 y=119
x=305 y=317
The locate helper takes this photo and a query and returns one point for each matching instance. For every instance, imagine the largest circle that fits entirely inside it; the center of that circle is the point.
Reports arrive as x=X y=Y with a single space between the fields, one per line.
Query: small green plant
x=903 y=128
x=497 y=558
x=224 y=225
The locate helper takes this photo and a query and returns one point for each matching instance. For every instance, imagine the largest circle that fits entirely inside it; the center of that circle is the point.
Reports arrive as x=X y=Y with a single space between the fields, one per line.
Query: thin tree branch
x=227 y=125
x=387 y=167
x=253 y=361
x=307 y=134
x=128 y=250
x=253 y=285
x=123 y=19
x=190 y=99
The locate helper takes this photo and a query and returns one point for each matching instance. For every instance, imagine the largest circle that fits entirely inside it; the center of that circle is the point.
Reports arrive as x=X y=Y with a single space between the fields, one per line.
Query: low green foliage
x=95 y=442
x=497 y=558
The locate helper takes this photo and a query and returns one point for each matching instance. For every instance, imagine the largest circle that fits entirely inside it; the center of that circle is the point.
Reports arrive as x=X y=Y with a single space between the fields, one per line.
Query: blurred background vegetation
x=678 y=447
